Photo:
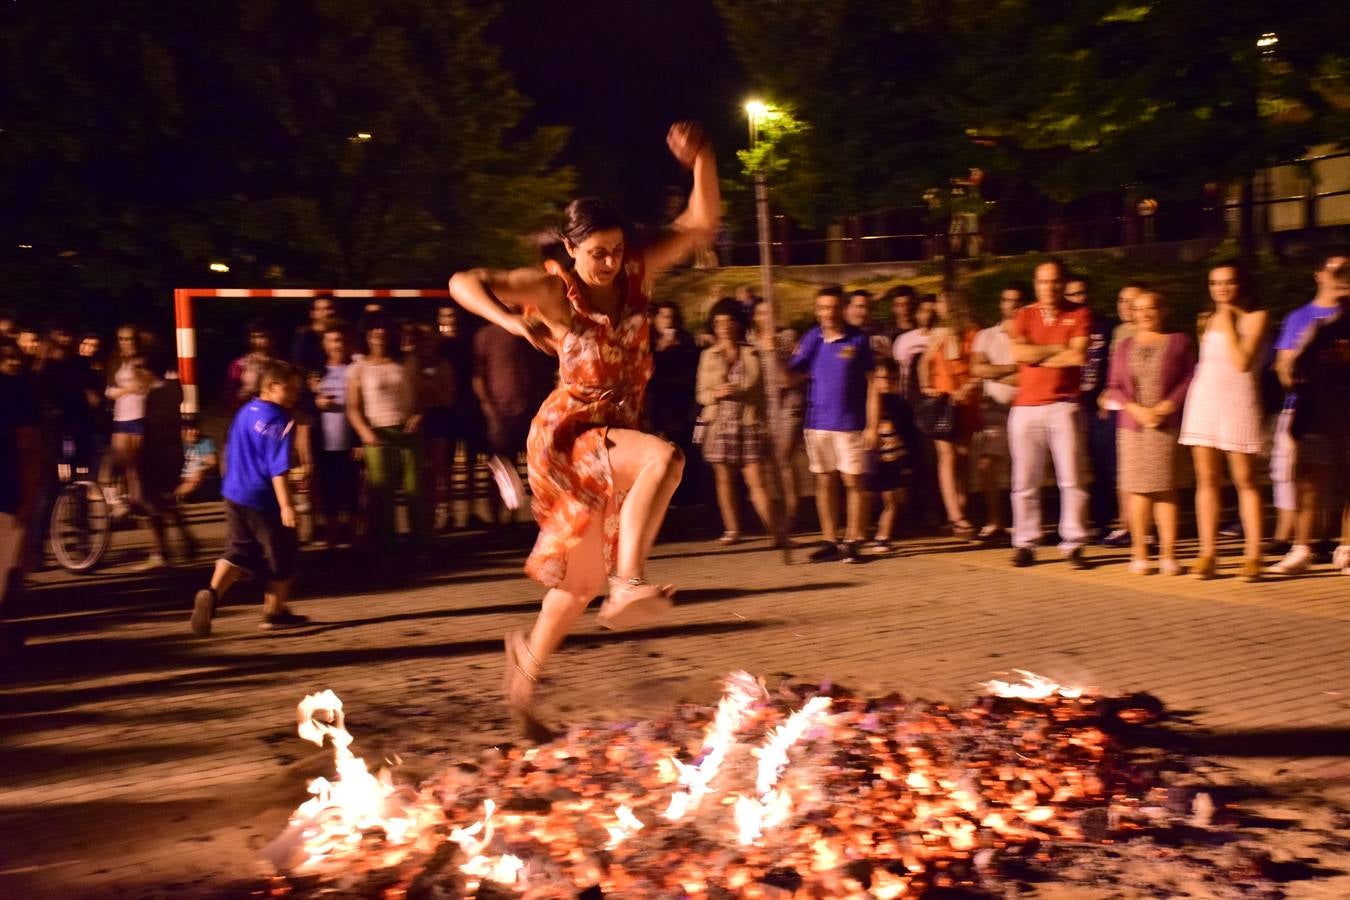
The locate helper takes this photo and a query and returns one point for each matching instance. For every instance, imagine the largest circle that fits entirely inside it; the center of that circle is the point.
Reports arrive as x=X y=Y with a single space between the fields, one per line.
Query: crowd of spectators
x=908 y=412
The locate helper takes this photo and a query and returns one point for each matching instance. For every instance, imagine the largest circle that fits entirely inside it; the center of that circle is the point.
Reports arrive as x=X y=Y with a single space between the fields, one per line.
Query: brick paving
x=140 y=761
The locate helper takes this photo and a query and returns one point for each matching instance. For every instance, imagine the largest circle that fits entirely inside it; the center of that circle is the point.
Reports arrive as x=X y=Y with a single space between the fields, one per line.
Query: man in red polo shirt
x=1050 y=340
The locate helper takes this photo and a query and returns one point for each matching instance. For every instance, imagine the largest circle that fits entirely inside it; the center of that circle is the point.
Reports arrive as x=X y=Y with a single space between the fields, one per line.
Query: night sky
x=619 y=74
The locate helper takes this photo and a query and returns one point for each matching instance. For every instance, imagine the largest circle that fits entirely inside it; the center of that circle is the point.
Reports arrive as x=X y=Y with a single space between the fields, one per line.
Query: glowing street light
x=361 y=137
x=219 y=267
x=1266 y=42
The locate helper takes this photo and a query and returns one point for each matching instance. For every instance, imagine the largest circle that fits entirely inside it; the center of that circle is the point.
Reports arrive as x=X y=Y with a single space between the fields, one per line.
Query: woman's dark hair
x=728 y=306
x=585 y=216
x=674 y=308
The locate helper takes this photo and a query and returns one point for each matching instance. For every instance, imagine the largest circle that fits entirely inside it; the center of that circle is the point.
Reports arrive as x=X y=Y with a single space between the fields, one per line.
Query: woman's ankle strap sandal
x=632 y=602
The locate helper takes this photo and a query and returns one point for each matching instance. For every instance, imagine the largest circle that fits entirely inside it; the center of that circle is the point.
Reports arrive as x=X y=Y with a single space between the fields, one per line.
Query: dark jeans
x=1100 y=434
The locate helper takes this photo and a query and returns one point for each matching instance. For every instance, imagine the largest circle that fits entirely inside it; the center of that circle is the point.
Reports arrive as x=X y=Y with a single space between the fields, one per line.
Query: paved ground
x=139 y=761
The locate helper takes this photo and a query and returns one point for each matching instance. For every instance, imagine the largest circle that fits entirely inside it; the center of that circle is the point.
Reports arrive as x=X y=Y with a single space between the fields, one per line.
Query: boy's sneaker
x=850 y=553
x=1295 y=562
x=508 y=482
x=826 y=552
x=203 y=611
x=285 y=619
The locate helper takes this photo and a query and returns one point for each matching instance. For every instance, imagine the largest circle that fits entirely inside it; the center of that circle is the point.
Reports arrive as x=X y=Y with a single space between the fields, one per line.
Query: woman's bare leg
x=792 y=489
x=759 y=497
x=564 y=604
x=949 y=483
x=728 y=504
x=890 y=507
x=1165 y=514
x=1140 y=512
x=1207 y=463
x=1249 y=503
x=648 y=469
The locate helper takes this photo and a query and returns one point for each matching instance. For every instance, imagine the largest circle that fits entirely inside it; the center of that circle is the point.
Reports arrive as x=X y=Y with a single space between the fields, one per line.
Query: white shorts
x=836 y=451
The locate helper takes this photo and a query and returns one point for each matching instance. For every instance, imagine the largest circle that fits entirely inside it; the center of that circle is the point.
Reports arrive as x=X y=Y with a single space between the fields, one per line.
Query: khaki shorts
x=836 y=451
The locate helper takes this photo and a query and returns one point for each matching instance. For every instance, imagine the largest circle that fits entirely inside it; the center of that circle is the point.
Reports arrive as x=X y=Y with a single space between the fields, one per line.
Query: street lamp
x=219 y=267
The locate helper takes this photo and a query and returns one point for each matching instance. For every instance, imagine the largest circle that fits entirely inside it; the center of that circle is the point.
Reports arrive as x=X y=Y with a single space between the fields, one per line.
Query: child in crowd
x=891 y=468
x=259 y=514
x=160 y=459
x=200 y=478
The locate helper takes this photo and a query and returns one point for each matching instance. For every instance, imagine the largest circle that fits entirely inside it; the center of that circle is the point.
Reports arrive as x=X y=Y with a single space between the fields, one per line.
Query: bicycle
x=81 y=520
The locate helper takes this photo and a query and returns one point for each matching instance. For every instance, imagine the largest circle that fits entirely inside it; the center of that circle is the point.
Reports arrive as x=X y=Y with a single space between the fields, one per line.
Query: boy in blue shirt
x=259 y=515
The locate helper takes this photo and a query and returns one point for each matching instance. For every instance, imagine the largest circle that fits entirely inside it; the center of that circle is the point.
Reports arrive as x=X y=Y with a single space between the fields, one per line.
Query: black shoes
x=1023 y=557
x=850 y=552
x=1077 y=560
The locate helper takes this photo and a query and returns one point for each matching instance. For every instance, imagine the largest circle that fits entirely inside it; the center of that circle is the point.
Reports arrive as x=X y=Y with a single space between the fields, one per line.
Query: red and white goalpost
x=186 y=331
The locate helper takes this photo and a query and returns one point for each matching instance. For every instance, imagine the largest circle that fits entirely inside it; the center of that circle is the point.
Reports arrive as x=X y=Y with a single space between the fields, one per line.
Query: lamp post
x=756 y=110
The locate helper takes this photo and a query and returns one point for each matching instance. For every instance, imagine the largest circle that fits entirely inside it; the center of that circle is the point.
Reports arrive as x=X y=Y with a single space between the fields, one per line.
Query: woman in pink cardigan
x=1149 y=376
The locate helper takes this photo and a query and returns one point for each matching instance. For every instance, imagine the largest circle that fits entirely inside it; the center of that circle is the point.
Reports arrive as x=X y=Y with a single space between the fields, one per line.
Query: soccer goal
x=186 y=331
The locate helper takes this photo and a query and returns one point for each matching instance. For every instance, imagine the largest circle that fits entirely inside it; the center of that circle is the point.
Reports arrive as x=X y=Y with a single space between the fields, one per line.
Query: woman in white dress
x=1223 y=417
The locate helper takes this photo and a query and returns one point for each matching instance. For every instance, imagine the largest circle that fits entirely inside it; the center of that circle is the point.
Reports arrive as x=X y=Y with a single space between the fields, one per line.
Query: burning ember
x=809 y=790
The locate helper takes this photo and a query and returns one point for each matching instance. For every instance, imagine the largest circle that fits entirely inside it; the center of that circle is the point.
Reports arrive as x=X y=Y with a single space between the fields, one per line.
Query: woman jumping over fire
x=601 y=486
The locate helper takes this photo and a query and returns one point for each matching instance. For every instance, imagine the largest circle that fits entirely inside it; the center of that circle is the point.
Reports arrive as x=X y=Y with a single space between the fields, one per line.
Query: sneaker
x=284 y=619
x=880 y=546
x=153 y=564
x=203 y=611
x=1076 y=559
x=1140 y=567
x=1340 y=559
x=508 y=482
x=826 y=552
x=850 y=554
x=1231 y=529
x=1169 y=567
x=1117 y=538
x=1023 y=557
x=1295 y=562
x=990 y=533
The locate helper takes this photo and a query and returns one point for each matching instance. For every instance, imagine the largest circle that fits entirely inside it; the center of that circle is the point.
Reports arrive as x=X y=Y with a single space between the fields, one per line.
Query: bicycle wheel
x=81 y=526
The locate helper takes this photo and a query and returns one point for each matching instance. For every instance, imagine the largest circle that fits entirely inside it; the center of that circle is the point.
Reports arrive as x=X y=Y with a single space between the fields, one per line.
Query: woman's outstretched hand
x=686 y=141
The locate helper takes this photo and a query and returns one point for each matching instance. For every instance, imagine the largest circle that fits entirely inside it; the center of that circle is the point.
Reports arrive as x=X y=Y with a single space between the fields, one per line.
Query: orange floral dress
x=603 y=370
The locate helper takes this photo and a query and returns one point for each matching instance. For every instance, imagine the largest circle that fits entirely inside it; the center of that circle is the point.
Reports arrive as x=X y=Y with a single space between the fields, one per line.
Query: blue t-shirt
x=836 y=399
x=194 y=455
x=1295 y=326
x=259 y=449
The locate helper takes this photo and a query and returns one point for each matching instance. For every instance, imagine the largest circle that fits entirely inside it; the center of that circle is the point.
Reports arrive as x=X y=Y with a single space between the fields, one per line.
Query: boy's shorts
x=257 y=542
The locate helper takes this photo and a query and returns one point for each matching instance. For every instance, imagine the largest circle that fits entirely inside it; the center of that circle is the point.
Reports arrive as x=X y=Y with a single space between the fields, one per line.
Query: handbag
x=935 y=416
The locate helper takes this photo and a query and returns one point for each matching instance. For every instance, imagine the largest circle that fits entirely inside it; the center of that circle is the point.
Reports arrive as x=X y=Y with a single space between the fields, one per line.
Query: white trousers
x=1282 y=459
x=1032 y=430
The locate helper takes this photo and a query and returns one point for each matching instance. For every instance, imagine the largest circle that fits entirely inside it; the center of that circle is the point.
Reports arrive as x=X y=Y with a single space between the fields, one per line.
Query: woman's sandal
x=520 y=703
x=634 y=601
x=962 y=528
x=730 y=537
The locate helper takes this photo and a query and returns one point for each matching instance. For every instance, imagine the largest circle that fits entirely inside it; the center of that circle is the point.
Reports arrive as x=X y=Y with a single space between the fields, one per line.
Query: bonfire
x=803 y=790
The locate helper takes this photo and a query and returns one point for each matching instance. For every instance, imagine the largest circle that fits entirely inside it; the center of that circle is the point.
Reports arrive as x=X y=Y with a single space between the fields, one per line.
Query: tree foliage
x=145 y=139
x=1069 y=97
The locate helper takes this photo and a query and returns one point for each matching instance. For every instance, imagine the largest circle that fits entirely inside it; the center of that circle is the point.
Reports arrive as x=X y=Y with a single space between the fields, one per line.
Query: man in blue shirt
x=1284 y=454
x=259 y=516
x=836 y=358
